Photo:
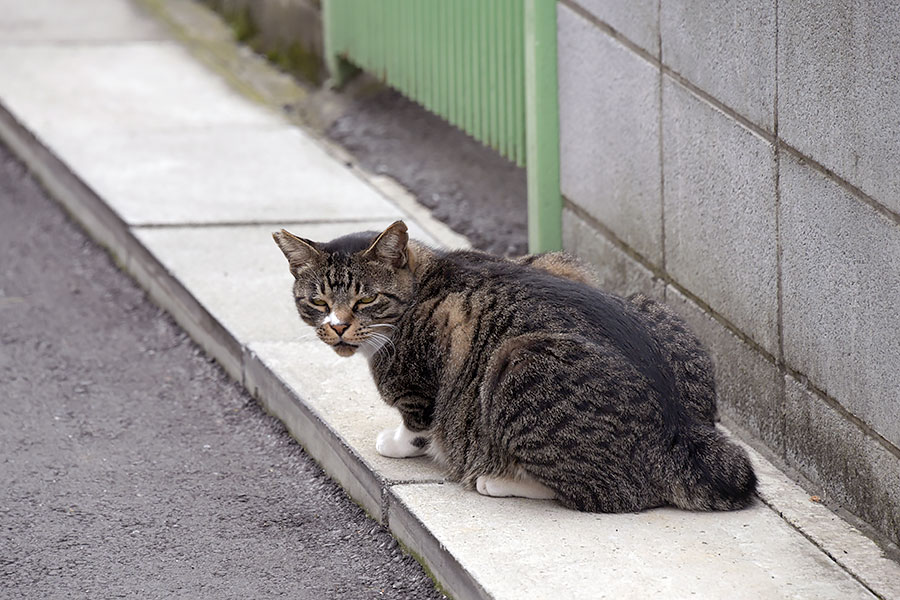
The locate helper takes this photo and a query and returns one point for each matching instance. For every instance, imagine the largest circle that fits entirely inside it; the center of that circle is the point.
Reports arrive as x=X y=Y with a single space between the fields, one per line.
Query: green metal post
x=339 y=69
x=542 y=127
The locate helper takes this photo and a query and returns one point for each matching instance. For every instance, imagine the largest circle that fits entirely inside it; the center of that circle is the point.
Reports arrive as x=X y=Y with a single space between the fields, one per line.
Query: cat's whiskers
x=369 y=348
x=384 y=341
x=375 y=343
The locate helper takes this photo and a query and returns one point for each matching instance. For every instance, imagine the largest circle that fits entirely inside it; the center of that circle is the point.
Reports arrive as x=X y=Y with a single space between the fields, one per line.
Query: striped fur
x=523 y=370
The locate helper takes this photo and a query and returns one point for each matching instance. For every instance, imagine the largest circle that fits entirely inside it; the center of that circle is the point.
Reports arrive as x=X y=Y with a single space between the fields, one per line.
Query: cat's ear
x=391 y=246
x=299 y=252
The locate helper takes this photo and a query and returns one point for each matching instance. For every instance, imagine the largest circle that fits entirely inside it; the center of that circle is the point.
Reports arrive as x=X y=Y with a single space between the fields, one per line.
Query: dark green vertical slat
x=425 y=49
x=494 y=73
x=492 y=15
x=465 y=66
x=406 y=41
x=443 y=105
x=452 y=49
x=519 y=83
x=359 y=43
x=459 y=67
x=387 y=40
x=409 y=39
x=515 y=26
x=393 y=20
x=475 y=66
x=485 y=49
x=419 y=25
x=400 y=30
x=431 y=68
x=474 y=72
x=465 y=63
x=381 y=58
x=397 y=34
x=485 y=42
x=421 y=55
x=497 y=108
x=510 y=78
x=471 y=68
x=508 y=89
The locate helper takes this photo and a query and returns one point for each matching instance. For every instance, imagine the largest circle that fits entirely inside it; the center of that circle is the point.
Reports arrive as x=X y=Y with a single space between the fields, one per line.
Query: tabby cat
x=521 y=377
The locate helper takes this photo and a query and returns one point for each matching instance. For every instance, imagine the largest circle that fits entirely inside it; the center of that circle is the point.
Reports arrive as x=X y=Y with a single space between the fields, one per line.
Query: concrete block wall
x=741 y=160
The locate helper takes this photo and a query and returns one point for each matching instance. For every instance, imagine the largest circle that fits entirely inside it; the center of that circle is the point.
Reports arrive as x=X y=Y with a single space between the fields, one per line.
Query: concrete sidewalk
x=183 y=178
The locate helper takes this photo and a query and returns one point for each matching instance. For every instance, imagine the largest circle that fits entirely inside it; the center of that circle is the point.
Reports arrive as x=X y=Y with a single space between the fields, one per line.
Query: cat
x=521 y=377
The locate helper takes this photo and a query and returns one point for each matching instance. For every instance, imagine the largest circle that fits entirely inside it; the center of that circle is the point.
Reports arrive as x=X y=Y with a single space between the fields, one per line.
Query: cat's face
x=352 y=289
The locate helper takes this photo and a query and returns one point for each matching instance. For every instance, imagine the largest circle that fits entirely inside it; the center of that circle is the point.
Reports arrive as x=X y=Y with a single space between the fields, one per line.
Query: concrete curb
x=316 y=436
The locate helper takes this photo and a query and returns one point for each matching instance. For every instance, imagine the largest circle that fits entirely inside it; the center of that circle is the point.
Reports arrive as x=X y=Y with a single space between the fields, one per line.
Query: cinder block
x=609 y=133
x=637 y=20
x=852 y=468
x=750 y=387
x=841 y=294
x=726 y=48
x=720 y=232
x=838 y=90
x=616 y=271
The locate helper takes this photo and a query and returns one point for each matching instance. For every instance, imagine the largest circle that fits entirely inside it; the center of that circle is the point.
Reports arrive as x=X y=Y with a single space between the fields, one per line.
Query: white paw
x=386 y=446
x=524 y=487
x=398 y=443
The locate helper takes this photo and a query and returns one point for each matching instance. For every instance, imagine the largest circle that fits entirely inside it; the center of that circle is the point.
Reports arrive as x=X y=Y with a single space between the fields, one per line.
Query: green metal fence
x=486 y=66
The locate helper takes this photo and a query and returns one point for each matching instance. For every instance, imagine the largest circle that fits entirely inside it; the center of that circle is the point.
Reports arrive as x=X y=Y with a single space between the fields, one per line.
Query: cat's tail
x=710 y=471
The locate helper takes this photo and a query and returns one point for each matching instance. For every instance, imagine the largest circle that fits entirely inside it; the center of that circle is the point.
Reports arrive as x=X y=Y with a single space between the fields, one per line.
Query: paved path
x=131 y=464
x=183 y=178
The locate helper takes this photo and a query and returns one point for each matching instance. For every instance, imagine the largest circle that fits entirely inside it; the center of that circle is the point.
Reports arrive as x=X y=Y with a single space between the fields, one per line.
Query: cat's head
x=353 y=288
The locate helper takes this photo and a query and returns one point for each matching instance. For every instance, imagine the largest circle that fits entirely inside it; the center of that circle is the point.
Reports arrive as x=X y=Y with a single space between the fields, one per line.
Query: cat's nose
x=340 y=328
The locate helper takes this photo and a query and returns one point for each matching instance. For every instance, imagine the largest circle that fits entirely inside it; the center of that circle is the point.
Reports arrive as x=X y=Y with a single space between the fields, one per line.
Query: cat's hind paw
x=523 y=488
x=400 y=443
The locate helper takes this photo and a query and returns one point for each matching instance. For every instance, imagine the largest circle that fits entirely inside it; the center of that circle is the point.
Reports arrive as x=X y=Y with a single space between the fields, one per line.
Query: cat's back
x=541 y=300
x=468 y=292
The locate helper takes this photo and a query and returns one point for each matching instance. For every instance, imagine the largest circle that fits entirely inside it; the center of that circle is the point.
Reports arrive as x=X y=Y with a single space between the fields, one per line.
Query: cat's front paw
x=400 y=443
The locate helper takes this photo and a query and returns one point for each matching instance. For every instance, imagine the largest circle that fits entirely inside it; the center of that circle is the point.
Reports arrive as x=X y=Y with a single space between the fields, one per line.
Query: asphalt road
x=130 y=465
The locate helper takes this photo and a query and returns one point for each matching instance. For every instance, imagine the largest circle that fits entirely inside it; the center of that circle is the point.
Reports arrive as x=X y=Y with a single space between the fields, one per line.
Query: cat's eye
x=318 y=302
x=367 y=299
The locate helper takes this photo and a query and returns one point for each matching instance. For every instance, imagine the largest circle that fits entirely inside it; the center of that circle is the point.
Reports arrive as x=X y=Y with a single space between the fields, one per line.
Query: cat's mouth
x=344 y=349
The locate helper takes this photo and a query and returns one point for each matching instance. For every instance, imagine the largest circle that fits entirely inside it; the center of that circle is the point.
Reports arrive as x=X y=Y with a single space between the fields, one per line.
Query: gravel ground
x=470 y=187
x=131 y=465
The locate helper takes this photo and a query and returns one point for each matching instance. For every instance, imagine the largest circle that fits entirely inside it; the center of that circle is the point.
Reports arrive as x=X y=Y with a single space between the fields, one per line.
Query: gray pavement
x=132 y=465
x=134 y=115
